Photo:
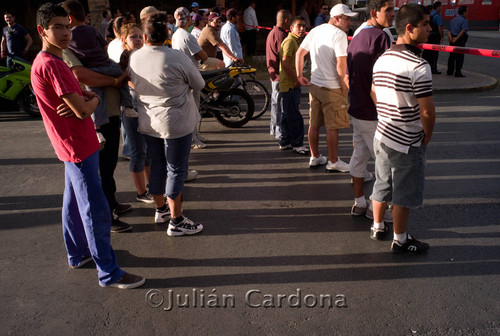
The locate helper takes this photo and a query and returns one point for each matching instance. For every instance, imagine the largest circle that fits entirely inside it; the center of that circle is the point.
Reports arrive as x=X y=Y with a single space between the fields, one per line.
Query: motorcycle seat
x=213 y=73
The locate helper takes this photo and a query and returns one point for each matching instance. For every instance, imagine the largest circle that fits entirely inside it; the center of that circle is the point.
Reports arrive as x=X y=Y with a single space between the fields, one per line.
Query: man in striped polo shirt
x=402 y=90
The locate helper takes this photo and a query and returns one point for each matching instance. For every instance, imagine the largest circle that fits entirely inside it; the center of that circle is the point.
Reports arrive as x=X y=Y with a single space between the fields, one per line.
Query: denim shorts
x=400 y=176
x=168 y=157
x=363 y=132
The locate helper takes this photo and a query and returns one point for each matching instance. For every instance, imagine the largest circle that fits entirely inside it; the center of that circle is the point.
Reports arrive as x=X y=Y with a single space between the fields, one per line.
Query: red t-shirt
x=73 y=139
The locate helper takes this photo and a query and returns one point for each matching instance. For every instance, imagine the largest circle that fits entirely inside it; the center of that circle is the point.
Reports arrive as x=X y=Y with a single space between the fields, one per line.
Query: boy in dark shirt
x=88 y=46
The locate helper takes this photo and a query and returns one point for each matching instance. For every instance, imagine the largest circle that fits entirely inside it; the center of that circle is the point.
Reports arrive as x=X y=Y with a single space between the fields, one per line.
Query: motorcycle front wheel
x=27 y=102
x=234 y=108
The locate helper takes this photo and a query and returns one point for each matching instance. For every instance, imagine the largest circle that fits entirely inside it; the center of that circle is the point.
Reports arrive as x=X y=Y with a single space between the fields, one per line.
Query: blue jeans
x=86 y=219
x=275 y=109
x=292 y=122
x=136 y=144
x=399 y=176
x=168 y=157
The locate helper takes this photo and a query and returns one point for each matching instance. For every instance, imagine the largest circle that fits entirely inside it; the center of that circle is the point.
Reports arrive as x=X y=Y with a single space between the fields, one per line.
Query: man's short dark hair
x=104 y=14
x=462 y=10
x=295 y=19
x=8 y=13
x=409 y=14
x=75 y=9
x=375 y=5
x=47 y=11
x=436 y=5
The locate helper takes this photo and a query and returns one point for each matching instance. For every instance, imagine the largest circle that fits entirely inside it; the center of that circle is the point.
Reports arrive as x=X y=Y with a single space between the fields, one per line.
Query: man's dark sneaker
x=411 y=246
x=128 y=281
x=145 y=197
x=121 y=208
x=186 y=227
x=83 y=261
x=119 y=226
x=378 y=234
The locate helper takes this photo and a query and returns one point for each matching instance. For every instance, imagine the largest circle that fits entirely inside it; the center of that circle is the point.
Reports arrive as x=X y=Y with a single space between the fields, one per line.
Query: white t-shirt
x=325 y=43
x=196 y=32
x=115 y=49
x=187 y=43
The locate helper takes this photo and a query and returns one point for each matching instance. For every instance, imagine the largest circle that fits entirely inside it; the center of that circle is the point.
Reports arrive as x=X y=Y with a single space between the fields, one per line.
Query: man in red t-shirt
x=65 y=110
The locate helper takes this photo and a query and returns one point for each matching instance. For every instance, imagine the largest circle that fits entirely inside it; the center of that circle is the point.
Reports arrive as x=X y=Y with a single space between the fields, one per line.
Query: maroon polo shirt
x=273 y=44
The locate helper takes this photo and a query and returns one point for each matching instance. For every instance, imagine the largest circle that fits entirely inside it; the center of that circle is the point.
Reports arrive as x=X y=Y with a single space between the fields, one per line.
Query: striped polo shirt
x=400 y=76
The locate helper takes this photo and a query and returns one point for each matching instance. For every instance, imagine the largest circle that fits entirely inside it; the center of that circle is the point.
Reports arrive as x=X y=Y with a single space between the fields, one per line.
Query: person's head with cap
x=195 y=7
x=340 y=16
x=198 y=21
x=182 y=17
x=147 y=11
x=232 y=15
x=214 y=21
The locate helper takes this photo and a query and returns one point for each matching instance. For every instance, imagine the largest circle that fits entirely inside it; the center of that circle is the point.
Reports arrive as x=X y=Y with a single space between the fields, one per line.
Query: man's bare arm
x=299 y=65
x=341 y=71
x=289 y=69
x=427 y=116
x=201 y=55
x=95 y=79
x=225 y=49
x=81 y=107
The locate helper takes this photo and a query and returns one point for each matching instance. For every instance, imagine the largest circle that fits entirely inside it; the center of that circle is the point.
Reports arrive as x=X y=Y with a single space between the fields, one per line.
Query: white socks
x=401 y=237
x=360 y=202
x=378 y=225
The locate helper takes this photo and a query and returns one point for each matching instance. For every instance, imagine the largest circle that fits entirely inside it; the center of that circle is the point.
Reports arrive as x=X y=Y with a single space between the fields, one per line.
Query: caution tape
x=258 y=27
x=460 y=50
x=438 y=47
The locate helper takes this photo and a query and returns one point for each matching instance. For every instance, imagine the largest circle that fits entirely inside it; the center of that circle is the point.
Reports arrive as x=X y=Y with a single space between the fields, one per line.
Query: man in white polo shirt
x=327 y=45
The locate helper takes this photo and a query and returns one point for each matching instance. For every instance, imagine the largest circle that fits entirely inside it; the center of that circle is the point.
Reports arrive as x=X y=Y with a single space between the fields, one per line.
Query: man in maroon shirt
x=273 y=44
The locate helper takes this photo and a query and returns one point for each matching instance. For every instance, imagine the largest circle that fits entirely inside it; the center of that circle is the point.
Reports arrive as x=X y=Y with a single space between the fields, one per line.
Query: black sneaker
x=411 y=246
x=128 y=281
x=119 y=226
x=145 y=197
x=378 y=234
x=122 y=208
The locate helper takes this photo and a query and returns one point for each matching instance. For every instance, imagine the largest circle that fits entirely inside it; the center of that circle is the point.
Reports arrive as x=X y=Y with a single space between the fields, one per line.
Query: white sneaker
x=162 y=216
x=340 y=166
x=192 y=174
x=316 y=161
x=186 y=227
x=302 y=150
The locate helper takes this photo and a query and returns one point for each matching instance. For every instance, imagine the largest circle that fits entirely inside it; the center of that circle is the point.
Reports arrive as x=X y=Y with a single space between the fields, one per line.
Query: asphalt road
x=272 y=227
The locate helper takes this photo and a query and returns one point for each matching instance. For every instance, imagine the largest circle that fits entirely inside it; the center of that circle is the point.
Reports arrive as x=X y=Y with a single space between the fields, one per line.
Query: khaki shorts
x=209 y=64
x=328 y=107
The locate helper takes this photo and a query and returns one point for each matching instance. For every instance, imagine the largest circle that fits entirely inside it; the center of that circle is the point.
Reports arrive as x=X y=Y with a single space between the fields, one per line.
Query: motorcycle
x=221 y=98
x=15 y=85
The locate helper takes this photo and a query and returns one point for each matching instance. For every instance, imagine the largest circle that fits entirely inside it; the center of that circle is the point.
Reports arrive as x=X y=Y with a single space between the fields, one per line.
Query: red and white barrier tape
x=438 y=47
x=460 y=50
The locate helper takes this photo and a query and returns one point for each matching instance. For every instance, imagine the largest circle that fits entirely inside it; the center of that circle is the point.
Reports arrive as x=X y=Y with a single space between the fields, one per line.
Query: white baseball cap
x=341 y=9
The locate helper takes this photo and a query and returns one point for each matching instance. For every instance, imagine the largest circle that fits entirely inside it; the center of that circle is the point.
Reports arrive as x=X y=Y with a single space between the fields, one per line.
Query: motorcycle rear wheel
x=234 y=108
x=27 y=103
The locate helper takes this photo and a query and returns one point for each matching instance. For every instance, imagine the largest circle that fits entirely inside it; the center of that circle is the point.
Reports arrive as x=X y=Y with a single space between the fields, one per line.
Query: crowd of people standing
x=123 y=67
